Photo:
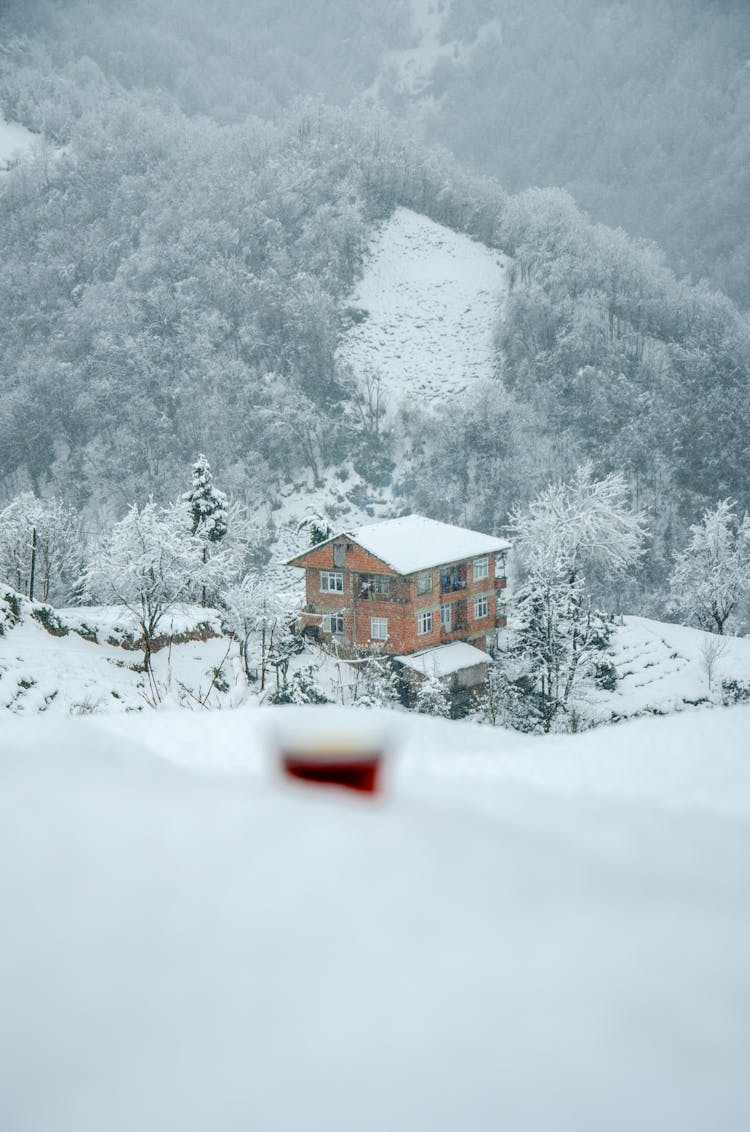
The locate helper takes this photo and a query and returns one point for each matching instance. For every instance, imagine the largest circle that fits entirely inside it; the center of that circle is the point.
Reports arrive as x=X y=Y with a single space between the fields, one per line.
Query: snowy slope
x=661 y=669
x=543 y=936
x=432 y=298
x=77 y=675
x=15 y=141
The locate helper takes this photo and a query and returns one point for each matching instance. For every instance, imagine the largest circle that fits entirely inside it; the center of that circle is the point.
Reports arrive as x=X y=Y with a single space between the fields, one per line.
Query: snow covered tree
x=148 y=563
x=711 y=576
x=316 y=525
x=208 y=511
x=376 y=684
x=585 y=523
x=261 y=619
x=555 y=634
x=208 y=506
x=40 y=547
x=557 y=638
x=432 y=697
x=509 y=699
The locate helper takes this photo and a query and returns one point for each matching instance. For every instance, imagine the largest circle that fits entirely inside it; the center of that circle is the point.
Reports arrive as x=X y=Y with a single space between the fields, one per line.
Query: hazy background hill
x=640 y=110
x=180 y=258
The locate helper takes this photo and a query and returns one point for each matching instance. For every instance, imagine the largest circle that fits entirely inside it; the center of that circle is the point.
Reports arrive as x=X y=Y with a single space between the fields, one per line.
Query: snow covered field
x=662 y=668
x=433 y=298
x=527 y=934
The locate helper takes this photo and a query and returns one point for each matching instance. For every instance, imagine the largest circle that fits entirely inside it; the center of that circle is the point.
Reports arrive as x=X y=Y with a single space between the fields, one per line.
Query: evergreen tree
x=208 y=506
x=208 y=511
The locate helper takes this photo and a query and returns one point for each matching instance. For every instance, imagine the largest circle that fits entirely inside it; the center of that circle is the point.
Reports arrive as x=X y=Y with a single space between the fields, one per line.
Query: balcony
x=453 y=579
x=378 y=588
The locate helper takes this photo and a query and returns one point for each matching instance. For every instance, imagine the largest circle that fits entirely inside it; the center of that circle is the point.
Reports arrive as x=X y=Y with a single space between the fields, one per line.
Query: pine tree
x=208 y=506
x=208 y=511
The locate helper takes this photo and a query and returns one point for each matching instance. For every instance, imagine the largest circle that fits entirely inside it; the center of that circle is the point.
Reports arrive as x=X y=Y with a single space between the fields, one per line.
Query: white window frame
x=481 y=568
x=378 y=628
x=325 y=582
x=424 y=582
x=424 y=623
x=446 y=618
x=326 y=625
x=481 y=601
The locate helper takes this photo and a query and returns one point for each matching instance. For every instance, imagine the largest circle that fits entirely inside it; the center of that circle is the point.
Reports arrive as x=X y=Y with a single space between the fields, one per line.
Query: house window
x=445 y=618
x=481 y=568
x=424 y=582
x=480 y=608
x=339 y=554
x=379 y=628
x=331 y=582
x=333 y=623
x=424 y=622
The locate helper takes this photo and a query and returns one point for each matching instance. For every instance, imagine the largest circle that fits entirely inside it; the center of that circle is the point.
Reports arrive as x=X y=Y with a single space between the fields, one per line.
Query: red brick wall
x=403 y=635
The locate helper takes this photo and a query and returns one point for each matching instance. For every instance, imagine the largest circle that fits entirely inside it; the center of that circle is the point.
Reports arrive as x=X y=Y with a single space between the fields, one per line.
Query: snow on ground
x=433 y=298
x=76 y=675
x=15 y=141
x=544 y=935
x=661 y=669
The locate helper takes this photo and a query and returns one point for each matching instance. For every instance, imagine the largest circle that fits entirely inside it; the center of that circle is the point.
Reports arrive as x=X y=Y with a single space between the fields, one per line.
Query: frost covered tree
x=555 y=633
x=376 y=683
x=316 y=525
x=148 y=564
x=40 y=547
x=261 y=620
x=711 y=576
x=208 y=511
x=584 y=523
x=557 y=638
x=432 y=697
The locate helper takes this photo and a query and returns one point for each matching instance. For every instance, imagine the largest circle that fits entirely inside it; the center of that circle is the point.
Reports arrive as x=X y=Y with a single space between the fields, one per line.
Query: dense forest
x=176 y=261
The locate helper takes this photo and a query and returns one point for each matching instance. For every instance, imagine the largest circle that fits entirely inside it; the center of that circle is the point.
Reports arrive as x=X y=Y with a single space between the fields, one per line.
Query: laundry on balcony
x=453 y=578
x=374 y=587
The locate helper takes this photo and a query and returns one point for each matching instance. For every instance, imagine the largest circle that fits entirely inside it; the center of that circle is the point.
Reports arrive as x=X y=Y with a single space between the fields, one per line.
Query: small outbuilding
x=461 y=667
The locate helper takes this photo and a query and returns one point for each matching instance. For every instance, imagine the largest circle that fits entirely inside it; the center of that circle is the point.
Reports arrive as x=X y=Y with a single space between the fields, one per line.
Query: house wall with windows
x=359 y=600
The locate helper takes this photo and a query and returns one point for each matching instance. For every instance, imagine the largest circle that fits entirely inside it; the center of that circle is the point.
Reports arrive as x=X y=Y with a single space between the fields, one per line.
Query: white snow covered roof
x=443 y=660
x=416 y=543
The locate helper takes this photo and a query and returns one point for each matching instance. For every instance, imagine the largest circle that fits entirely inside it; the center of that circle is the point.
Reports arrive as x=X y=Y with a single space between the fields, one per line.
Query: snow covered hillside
x=548 y=936
x=662 y=668
x=84 y=661
x=432 y=299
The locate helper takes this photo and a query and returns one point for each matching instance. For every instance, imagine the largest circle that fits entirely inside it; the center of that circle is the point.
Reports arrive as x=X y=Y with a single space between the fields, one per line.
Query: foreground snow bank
x=523 y=934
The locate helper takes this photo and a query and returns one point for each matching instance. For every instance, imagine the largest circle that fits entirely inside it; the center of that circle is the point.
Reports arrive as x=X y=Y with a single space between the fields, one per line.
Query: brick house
x=404 y=585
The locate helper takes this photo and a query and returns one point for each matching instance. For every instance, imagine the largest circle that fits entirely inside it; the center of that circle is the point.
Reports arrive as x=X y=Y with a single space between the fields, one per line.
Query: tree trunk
x=33 y=564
